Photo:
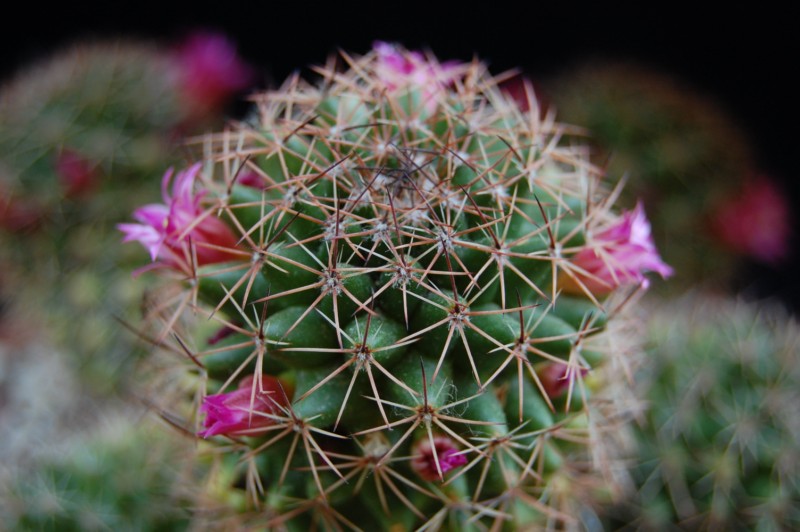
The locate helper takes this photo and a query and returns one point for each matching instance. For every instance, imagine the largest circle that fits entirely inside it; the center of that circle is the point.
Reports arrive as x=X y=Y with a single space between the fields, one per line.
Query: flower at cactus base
x=447 y=455
x=621 y=255
x=241 y=412
x=167 y=229
x=210 y=71
x=756 y=222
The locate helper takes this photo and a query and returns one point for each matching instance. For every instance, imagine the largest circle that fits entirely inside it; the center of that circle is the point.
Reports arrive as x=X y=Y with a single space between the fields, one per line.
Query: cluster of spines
x=423 y=245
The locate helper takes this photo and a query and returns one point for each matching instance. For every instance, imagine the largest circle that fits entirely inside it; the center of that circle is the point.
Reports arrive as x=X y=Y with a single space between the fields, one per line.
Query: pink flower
x=423 y=461
x=77 y=175
x=516 y=88
x=557 y=378
x=210 y=71
x=397 y=68
x=756 y=222
x=167 y=229
x=233 y=413
x=619 y=255
x=17 y=213
x=251 y=179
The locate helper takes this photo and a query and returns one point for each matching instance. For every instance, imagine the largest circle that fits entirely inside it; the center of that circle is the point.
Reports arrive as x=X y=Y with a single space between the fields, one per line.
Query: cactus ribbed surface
x=411 y=298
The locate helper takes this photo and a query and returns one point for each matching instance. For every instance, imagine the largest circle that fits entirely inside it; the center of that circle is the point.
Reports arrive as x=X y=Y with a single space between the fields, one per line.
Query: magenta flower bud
x=233 y=413
x=210 y=71
x=756 y=222
x=397 y=68
x=618 y=255
x=77 y=175
x=423 y=461
x=516 y=89
x=251 y=179
x=167 y=229
x=18 y=213
x=557 y=378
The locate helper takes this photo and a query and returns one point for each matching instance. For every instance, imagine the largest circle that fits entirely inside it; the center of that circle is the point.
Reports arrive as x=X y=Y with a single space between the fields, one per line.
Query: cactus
x=75 y=131
x=686 y=158
x=120 y=477
x=102 y=115
x=411 y=300
x=719 y=444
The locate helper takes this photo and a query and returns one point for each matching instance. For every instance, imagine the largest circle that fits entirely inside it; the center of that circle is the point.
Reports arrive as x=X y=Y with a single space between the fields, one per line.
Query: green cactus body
x=404 y=253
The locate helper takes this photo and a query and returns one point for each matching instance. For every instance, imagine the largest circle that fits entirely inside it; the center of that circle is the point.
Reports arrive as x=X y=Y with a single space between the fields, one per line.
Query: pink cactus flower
x=78 y=176
x=397 y=68
x=210 y=71
x=166 y=230
x=557 y=378
x=423 y=461
x=18 y=214
x=756 y=222
x=619 y=255
x=233 y=413
x=516 y=88
x=251 y=179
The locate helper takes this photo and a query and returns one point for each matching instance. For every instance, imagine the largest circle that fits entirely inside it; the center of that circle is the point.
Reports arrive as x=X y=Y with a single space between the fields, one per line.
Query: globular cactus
x=412 y=297
x=79 y=133
x=719 y=446
x=689 y=161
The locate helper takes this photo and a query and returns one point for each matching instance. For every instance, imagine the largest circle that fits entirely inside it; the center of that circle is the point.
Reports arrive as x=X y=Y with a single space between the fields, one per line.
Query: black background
x=744 y=58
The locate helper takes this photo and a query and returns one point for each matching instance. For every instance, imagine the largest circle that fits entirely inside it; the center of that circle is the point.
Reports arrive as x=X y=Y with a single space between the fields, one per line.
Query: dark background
x=744 y=58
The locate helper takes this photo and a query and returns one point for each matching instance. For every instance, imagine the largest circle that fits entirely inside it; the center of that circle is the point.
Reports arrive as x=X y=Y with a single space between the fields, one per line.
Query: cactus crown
x=397 y=346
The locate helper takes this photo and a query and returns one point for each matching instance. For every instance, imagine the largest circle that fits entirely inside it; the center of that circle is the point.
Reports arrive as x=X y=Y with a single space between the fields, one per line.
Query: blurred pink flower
x=517 y=88
x=18 y=214
x=77 y=175
x=397 y=68
x=557 y=378
x=617 y=256
x=210 y=71
x=756 y=222
x=233 y=413
x=166 y=229
x=251 y=179
x=423 y=461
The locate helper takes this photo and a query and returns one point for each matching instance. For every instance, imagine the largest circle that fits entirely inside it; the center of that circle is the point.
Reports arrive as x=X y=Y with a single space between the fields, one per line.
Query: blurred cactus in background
x=686 y=159
x=118 y=477
x=719 y=447
x=395 y=299
x=79 y=135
